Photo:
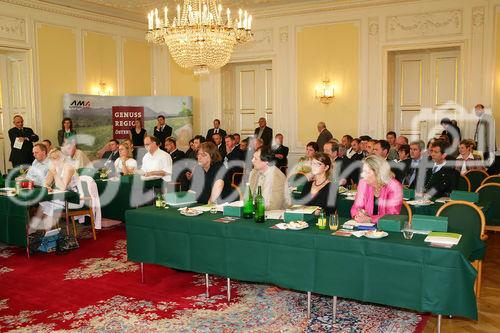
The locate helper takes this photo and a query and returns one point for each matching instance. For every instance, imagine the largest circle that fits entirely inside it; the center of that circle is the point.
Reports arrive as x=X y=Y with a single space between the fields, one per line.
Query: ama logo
x=80 y=104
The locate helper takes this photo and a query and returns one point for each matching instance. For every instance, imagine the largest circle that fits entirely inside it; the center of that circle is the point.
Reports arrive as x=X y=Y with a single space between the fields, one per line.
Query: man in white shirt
x=156 y=162
x=77 y=157
x=40 y=166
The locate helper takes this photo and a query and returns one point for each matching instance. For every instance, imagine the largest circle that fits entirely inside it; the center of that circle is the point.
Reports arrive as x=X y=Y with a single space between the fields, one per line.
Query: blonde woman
x=61 y=176
x=379 y=193
x=466 y=160
x=125 y=164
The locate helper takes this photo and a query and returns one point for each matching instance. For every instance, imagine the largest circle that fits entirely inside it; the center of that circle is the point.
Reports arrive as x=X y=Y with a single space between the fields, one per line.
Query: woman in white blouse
x=125 y=164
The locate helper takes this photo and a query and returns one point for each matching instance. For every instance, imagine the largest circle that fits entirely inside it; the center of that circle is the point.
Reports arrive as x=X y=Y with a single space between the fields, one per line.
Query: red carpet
x=95 y=289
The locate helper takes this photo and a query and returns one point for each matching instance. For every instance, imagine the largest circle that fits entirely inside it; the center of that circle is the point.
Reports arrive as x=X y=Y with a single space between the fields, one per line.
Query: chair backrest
x=297 y=179
x=476 y=177
x=463 y=184
x=490 y=193
x=406 y=210
x=464 y=218
x=236 y=178
x=491 y=179
x=237 y=188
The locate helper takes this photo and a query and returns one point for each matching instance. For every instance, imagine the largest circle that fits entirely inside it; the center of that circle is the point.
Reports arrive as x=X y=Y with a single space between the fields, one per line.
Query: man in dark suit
x=162 y=131
x=485 y=134
x=442 y=178
x=214 y=130
x=339 y=164
x=234 y=160
x=263 y=132
x=21 y=143
x=416 y=173
x=217 y=139
x=382 y=149
x=324 y=135
x=171 y=148
x=111 y=154
x=280 y=153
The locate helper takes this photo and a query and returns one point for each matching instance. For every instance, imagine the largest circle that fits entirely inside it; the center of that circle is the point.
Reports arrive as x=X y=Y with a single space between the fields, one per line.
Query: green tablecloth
x=117 y=195
x=14 y=212
x=392 y=271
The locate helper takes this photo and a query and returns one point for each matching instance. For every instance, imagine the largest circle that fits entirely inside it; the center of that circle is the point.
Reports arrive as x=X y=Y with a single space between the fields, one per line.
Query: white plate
x=295 y=226
x=191 y=212
x=376 y=234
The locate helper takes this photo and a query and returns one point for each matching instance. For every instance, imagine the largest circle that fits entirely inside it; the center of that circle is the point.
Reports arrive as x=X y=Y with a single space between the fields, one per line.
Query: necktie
x=476 y=133
x=216 y=131
x=434 y=168
x=413 y=175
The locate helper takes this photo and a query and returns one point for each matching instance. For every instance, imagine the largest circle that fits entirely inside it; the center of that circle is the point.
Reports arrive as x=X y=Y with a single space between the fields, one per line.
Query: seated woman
x=317 y=191
x=125 y=164
x=304 y=163
x=379 y=193
x=466 y=160
x=206 y=180
x=61 y=176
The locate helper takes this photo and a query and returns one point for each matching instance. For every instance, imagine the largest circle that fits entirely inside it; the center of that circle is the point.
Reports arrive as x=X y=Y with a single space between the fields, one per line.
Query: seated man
x=442 y=178
x=111 y=154
x=270 y=178
x=280 y=153
x=233 y=161
x=47 y=143
x=171 y=148
x=76 y=157
x=156 y=162
x=40 y=166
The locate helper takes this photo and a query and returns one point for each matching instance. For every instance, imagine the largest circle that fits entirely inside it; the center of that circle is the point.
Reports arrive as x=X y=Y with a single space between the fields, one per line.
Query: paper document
x=448 y=238
x=275 y=214
x=18 y=144
x=301 y=209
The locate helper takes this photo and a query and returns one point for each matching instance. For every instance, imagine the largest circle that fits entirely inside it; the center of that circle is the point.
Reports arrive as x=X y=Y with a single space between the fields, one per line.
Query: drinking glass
x=213 y=209
x=407 y=231
x=333 y=222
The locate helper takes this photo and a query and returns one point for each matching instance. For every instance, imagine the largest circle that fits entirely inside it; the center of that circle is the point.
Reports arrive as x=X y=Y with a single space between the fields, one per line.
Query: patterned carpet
x=95 y=289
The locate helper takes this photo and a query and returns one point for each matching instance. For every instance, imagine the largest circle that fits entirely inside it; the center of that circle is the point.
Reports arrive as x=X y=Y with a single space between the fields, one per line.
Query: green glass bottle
x=259 y=207
x=321 y=220
x=248 y=204
x=159 y=200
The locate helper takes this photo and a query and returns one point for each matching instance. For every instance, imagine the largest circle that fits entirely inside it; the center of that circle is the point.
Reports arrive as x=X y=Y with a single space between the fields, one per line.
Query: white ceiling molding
x=67 y=8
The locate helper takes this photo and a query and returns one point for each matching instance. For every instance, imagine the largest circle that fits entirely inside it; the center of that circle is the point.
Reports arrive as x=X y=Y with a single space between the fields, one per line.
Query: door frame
x=387 y=49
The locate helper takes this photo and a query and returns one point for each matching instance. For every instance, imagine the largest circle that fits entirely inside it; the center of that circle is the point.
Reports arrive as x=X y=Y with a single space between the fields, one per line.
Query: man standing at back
x=324 y=135
x=263 y=132
x=21 y=143
x=485 y=134
x=215 y=130
x=162 y=131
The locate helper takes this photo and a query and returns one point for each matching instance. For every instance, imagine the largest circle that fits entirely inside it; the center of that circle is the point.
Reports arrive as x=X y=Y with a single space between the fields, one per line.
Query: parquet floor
x=488 y=303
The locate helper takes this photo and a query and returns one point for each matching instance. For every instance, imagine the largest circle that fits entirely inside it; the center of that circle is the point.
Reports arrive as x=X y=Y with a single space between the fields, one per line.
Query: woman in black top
x=137 y=133
x=206 y=180
x=317 y=191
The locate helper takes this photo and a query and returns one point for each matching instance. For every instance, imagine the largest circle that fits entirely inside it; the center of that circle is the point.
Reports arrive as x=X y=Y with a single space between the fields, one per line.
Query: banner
x=97 y=119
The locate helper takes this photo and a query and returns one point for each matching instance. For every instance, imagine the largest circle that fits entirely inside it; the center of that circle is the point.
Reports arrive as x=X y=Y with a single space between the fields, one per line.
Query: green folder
x=393 y=223
x=465 y=196
x=429 y=223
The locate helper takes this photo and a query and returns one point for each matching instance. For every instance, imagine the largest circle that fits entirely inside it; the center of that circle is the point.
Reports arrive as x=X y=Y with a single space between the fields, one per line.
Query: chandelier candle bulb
x=179 y=14
x=165 y=10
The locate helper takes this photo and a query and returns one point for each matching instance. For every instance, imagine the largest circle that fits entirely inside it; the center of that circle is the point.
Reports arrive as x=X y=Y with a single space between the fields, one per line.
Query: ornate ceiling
x=136 y=10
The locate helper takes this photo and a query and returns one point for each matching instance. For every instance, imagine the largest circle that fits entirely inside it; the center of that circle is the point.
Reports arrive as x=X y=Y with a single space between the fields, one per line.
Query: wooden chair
x=467 y=219
x=464 y=184
x=408 y=211
x=237 y=188
x=490 y=193
x=85 y=210
x=491 y=179
x=476 y=177
x=235 y=177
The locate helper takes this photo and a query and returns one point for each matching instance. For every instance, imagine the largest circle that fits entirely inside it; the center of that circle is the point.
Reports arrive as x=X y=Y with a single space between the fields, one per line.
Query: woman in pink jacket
x=379 y=193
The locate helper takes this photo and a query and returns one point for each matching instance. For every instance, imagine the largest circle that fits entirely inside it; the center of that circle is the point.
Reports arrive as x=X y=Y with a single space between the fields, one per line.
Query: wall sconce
x=324 y=92
x=102 y=89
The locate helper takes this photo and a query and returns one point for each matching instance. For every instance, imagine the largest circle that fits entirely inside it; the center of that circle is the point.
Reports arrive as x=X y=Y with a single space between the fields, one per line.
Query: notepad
x=445 y=238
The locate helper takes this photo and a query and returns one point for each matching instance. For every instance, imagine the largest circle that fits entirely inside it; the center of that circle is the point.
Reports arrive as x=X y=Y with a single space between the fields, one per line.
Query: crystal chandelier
x=200 y=36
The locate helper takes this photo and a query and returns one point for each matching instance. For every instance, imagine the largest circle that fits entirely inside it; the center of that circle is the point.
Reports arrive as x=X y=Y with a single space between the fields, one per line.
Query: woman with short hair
x=206 y=180
x=379 y=193
x=317 y=191
x=125 y=164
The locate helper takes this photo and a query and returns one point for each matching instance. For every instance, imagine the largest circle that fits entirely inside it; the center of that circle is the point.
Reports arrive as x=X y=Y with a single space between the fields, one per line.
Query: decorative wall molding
x=478 y=16
x=283 y=34
x=373 y=27
x=262 y=42
x=13 y=28
x=427 y=24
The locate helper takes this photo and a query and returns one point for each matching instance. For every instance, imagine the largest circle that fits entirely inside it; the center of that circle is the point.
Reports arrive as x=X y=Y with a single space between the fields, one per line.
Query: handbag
x=67 y=243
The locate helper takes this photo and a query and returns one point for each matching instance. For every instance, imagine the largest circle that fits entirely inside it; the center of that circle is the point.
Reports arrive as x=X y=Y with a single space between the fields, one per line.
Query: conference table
x=119 y=194
x=391 y=271
x=14 y=212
